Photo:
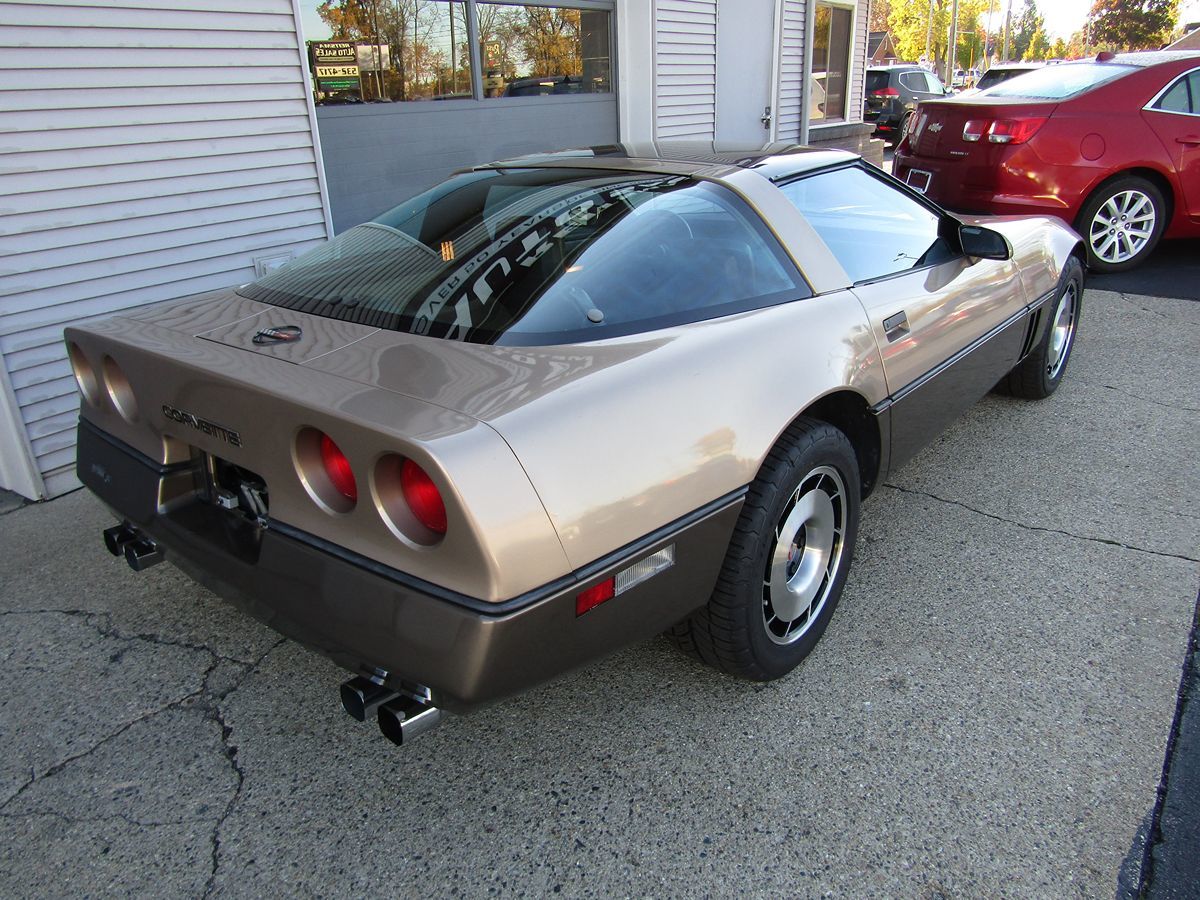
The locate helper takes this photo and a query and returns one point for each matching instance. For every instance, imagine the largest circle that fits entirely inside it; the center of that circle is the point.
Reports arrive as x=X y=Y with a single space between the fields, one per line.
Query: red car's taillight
x=1014 y=131
x=423 y=497
x=885 y=92
x=337 y=467
x=975 y=129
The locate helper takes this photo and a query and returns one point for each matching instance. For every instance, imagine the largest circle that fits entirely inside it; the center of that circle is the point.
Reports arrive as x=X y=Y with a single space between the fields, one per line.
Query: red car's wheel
x=1121 y=223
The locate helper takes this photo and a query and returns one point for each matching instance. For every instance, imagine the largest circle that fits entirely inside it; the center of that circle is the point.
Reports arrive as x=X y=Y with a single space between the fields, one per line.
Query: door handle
x=1189 y=141
x=895 y=326
x=766 y=117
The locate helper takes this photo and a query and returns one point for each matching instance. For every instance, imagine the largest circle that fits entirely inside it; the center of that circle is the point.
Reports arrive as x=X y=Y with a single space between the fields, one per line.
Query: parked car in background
x=1000 y=73
x=1110 y=145
x=893 y=93
x=562 y=403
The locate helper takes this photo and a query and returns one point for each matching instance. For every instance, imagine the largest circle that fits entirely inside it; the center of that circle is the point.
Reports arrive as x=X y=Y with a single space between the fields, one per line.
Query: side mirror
x=983 y=243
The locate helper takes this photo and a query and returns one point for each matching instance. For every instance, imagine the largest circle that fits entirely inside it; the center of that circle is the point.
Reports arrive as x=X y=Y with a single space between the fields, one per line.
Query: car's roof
x=1144 y=58
x=706 y=158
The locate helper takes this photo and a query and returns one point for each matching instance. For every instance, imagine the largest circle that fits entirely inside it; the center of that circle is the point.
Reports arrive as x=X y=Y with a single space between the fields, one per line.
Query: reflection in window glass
x=1183 y=95
x=402 y=50
x=831 y=63
x=871 y=227
x=543 y=256
x=537 y=51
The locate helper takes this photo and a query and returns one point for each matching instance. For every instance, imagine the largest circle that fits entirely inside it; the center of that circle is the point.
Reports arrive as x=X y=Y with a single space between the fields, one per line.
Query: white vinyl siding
x=685 y=68
x=149 y=149
x=791 y=70
x=858 y=64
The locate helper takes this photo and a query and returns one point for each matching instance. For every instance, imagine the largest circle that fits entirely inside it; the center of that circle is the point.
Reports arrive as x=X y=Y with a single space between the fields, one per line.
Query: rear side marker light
x=629 y=577
x=337 y=467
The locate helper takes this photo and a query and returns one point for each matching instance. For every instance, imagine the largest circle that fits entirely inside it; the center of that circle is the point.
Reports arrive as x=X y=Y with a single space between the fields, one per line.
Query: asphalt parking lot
x=987 y=714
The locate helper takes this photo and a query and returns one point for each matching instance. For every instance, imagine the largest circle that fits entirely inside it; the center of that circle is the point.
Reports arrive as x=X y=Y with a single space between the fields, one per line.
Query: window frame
x=948 y=224
x=844 y=118
x=1152 y=106
x=476 y=54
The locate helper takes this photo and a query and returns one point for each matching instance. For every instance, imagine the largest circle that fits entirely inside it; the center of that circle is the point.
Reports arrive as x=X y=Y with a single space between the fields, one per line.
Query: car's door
x=1174 y=115
x=948 y=327
x=916 y=84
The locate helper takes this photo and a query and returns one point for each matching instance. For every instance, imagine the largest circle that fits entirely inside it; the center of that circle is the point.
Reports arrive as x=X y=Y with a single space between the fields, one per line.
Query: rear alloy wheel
x=1121 y=223
x=906 y=124
x=787 y=560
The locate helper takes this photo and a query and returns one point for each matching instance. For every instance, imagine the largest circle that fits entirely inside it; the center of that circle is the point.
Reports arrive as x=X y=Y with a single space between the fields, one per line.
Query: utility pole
x=929 y=34
x=952 y=45
x=1007 y=27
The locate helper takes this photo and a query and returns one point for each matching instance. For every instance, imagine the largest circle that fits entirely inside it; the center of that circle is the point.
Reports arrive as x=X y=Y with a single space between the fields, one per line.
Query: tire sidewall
x=1101 y=196
x=830 y=449
x=1072 y=272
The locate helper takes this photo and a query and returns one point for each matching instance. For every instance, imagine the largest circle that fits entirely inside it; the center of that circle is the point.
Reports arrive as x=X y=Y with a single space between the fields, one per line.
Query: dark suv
x=892 y=95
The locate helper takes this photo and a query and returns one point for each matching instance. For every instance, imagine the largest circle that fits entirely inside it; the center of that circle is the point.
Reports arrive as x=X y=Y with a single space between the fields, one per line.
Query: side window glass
x=935 y=86
x=871 y=227
x=913 y=81
x=1177 y=98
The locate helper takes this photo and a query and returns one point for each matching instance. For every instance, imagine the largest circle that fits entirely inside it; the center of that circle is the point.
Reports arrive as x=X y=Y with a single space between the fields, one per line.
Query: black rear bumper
x=370 y=618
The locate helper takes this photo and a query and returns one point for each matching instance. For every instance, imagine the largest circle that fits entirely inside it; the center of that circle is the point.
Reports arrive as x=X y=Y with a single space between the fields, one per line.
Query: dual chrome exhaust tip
x=402 y=716
x=139 y=550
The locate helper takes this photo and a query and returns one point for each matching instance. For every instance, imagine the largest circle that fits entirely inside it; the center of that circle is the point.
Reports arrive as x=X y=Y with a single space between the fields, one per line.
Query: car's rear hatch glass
x=542 y=256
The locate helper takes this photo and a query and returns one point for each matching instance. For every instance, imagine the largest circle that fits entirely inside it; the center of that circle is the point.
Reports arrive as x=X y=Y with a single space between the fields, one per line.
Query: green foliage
x=1133 y=24
x=1024 y=27
x=1059 y=50
x=1039 y=47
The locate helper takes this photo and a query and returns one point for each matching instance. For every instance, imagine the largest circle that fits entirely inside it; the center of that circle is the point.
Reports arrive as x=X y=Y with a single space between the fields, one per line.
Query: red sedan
x=1110 y=145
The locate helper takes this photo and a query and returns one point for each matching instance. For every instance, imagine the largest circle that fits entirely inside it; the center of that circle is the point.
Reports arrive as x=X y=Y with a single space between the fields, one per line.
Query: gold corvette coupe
x=561 y=403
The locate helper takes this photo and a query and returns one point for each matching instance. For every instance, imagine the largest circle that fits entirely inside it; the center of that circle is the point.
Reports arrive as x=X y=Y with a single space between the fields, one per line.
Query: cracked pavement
x=986 y=714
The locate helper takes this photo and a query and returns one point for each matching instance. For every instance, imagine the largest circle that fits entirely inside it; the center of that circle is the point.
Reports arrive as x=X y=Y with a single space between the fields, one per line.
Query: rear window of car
x=543 y=256
x=877 y=79
x=993 y=77
x=1060 y=82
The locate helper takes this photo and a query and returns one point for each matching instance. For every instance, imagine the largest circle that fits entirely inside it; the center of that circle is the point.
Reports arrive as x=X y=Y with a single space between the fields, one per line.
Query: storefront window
x=379 y=51
x=538 y=51
x=832 y=29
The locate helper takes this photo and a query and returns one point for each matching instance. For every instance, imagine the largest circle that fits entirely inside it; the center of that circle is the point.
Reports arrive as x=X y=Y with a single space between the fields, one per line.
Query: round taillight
x=423 y=497
x=85 y=375
x=120 y=392
x=337 y=467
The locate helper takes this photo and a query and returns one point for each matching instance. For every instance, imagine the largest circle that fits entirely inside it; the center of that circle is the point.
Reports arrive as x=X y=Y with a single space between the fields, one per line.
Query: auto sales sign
x=335 y=65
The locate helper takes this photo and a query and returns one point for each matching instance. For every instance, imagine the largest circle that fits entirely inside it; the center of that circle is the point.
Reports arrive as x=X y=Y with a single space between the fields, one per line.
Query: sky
x=1065 y=17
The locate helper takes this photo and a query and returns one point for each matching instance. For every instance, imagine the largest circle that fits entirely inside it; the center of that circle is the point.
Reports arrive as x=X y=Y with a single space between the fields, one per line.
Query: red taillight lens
x=337 y=467
x=975 y=129
x=1014 y=131
x=594 y=596
x=886 y=92
x=423 y=497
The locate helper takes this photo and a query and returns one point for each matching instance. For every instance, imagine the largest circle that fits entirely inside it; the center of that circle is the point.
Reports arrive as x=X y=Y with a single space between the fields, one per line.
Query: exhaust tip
x=361 y=696
x=118 y=536
x=142 y=553
x=404 y=718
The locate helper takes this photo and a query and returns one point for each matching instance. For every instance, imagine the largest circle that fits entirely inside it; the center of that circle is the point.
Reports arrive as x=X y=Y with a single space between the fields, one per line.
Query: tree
x=1039 y=45
x=909 y=25
x=1059 y=50
x=1024 y=28
x=877 y=18
x=1133 y=24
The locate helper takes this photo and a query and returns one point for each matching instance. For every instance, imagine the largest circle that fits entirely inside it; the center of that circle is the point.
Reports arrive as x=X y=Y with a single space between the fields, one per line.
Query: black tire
x=734 y=631
x=1110 y=246
x=906 y=123
x=1038 y=375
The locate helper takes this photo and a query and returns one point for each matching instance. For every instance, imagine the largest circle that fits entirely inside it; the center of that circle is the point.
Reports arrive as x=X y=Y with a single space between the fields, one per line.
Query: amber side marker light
x=627 y=578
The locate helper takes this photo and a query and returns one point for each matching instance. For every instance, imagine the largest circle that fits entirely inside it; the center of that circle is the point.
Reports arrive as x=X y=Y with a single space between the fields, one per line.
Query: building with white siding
x=152 y=149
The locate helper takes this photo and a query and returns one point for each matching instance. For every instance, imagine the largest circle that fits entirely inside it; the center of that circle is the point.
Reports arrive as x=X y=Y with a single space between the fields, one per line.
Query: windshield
x=541 y=256
x=1059 y=82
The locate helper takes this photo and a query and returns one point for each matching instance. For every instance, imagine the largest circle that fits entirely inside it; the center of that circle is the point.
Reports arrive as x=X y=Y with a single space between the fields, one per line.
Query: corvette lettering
x=228 y=435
